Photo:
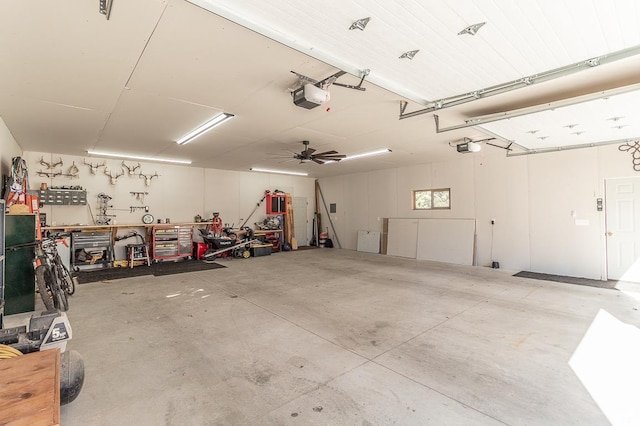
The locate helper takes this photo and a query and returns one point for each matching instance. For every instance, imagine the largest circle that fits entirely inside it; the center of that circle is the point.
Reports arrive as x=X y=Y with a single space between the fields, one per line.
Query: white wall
x=562 y=190
x=179 y=193
x=544 y=205
x=502 y=194
x=9 y=148
x=535 y=200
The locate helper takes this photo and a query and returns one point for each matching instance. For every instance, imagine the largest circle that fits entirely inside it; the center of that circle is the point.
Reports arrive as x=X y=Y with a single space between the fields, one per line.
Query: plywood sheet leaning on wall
x=446 y=240
x=440 y=240
x=289 y=230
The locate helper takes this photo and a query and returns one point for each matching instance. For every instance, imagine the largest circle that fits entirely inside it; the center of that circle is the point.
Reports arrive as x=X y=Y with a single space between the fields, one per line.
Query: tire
x=58 y=296
x=71 y=376
x=60 y=300
x=42 y=277
x=65 y=277
x=63 y=298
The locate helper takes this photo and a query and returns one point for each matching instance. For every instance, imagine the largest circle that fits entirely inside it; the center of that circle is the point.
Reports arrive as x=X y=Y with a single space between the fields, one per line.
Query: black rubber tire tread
x=71 y=376
x=65 y=277
x=64 y=298
x=41 y=281
x=60 y=295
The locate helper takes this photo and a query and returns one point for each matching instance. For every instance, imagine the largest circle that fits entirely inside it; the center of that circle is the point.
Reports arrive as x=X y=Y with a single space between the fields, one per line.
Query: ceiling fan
x=308 y=154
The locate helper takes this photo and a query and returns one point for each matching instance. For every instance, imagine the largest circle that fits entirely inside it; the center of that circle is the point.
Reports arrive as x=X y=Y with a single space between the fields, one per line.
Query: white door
x=300 y=220
x=623 y=229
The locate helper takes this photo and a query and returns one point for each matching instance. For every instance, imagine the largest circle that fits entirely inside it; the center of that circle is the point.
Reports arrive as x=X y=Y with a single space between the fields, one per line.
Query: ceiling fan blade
x=309 y=151
x=331 y=156
x=287 y=154
x=286 y=161
x=327 y=153
x=315 y=160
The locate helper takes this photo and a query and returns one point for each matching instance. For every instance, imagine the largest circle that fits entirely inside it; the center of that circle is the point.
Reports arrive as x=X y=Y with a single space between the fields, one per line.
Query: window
x=431 y=199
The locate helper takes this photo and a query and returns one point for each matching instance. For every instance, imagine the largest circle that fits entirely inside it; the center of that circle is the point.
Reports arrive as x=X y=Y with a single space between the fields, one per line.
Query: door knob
x=609 y=234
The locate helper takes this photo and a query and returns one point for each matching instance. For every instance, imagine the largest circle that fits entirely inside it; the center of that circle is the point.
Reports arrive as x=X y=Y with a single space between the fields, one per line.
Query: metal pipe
x=329 y=215
x=567 y=148
x=524 y=82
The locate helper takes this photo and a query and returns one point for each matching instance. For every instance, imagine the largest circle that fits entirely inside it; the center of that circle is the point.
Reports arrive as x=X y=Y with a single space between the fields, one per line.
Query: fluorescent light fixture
x=215 y=121
x=366 y=154
x=283 y=172
x=137 y=157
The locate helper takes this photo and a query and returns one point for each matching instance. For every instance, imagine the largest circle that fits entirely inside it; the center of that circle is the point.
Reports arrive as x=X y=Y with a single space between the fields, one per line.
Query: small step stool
x=139 y=252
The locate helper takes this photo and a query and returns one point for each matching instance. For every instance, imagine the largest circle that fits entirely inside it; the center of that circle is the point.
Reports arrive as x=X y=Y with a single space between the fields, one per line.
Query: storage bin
x=261 y=250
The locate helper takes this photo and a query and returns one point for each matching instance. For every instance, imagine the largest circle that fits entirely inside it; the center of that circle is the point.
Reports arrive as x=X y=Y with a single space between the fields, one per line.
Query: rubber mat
x=156 y=269
x=567 y=280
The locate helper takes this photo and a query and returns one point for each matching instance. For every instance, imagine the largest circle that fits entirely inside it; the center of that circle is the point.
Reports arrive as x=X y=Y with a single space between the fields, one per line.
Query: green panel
x=19 y=229
x=19 y=276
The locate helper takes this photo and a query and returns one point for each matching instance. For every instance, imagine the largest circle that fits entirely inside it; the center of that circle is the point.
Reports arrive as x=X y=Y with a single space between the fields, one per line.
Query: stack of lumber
x=288 y=227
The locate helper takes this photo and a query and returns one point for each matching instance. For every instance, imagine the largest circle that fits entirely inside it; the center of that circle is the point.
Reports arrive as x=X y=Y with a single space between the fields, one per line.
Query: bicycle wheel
x=66 y=281
x=43 y=276
x=59 y=295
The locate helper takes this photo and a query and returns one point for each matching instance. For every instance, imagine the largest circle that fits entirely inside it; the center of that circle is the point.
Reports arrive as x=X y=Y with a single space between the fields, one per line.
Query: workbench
x=184 y=248
x=69 y=228
x=30 y=389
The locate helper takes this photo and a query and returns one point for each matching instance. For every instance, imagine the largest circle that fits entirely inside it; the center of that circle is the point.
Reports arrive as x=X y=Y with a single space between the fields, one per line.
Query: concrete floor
x=335 y=337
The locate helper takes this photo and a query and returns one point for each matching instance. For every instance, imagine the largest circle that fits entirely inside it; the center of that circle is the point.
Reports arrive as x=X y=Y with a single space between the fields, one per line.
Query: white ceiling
x=72 y=80
x=590 y=122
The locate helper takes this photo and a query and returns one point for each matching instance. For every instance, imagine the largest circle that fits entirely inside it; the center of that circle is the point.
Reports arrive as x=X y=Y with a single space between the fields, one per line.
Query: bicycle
x=54 y=281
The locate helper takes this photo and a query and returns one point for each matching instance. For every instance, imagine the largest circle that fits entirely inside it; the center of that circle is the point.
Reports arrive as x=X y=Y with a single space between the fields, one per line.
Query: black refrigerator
x=19 y=276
